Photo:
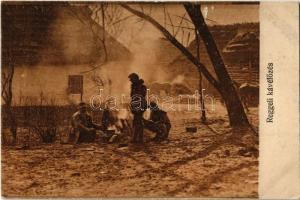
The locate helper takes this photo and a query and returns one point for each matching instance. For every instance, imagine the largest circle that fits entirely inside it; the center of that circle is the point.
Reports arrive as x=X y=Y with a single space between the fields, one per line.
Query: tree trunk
x=12 y=122
x=201 y=101
x=177 y=44
x=235 y=109
x=224 y=85
x=6 y=93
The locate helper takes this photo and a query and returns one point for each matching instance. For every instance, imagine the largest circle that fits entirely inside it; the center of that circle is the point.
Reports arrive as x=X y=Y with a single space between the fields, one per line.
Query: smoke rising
x=178 y=79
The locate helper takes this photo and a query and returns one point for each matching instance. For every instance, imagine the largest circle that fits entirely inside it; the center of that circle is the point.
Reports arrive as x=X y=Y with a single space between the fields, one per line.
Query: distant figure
x=159 y=122
x=138 y=106
x=83 y=126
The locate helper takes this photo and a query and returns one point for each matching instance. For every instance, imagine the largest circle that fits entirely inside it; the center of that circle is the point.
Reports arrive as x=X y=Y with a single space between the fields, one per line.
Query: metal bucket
x=192 y=129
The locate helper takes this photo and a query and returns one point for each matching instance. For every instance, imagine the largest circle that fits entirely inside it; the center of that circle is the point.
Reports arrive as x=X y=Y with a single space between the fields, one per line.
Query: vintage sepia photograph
x=130 y=99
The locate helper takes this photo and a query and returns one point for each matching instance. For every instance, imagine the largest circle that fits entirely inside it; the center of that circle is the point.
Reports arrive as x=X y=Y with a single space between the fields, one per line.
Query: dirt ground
x=208 y=163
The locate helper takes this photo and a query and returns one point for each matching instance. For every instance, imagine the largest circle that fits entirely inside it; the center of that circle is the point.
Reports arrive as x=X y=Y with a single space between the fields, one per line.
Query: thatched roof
x=227 y=36
x=54 y=33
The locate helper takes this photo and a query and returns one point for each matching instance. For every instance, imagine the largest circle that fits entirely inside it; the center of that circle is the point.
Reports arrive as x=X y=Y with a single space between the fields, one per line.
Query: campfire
x=120 y=125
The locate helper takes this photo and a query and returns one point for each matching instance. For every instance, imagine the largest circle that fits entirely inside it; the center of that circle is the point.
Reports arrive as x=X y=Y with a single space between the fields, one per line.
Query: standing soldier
x=138 y=106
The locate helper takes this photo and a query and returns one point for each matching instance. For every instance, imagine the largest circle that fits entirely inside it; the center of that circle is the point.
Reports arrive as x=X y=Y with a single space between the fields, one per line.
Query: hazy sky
x=137 y=32
x=142 y=39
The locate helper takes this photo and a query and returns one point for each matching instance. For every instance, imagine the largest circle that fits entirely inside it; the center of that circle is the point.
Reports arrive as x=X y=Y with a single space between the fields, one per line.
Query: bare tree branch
x=93 y=68
x=184 y=18
x=177 y=44
x=165 y=17
x=89 y=23
x=235 y=109
x=188 y=39
x=188 y=20
x=182 y=36
x=179 y=25
x=168 y=14
x=123 y=19
x=103 y=32
x=199 y=21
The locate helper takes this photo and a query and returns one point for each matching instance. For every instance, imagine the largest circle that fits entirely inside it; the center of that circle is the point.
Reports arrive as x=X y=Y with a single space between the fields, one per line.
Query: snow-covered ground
x=208 y=163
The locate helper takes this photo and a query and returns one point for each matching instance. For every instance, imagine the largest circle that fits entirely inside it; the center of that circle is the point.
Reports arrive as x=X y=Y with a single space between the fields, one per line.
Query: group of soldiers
x=159 y=123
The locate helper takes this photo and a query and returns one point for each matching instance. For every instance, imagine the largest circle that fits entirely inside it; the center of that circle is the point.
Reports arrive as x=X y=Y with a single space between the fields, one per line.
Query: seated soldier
x=159 y=122
x=83 y=125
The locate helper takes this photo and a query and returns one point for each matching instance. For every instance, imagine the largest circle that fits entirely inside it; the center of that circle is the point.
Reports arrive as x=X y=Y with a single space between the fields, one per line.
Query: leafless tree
x=6 y=94
x=109 y=18
x=20 y=46
x=223 y=84
x=8 y=69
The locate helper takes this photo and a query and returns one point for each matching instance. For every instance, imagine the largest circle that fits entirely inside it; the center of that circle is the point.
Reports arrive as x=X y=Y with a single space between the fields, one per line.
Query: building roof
x=55 y=33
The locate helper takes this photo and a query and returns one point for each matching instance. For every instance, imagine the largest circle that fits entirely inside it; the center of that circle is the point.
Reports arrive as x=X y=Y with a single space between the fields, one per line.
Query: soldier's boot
x=161 y=133
x=158 y=135
x=140 y=129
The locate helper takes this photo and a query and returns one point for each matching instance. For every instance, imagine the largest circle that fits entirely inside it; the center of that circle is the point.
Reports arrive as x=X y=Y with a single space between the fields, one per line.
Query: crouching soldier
x=159 y=122
x=83 y=126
